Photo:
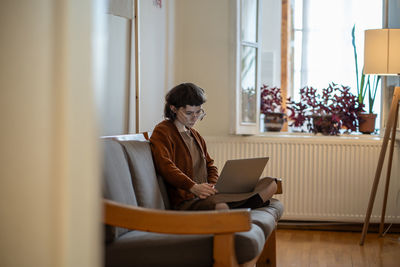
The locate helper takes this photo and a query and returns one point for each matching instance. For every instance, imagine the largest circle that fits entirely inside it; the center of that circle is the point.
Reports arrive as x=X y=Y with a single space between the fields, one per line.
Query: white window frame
x=246 y=128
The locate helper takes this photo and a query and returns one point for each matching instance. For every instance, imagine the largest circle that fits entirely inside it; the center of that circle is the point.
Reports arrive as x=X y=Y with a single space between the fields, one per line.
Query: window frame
x=254 y=128
x=240 y=127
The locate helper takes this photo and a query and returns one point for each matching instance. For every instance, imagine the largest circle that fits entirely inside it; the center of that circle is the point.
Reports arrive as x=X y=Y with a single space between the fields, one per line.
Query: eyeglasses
x=199 y=114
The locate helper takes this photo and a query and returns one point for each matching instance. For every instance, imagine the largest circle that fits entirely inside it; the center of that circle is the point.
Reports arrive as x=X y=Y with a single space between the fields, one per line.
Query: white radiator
x=324 y=178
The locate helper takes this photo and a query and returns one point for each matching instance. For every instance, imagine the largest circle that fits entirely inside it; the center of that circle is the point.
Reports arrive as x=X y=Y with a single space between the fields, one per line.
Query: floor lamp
x=382 y=57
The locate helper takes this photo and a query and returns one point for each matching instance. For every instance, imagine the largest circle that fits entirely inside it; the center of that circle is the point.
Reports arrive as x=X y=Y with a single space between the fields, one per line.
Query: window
x=258 y=58
x=320 y=49
x=322 y=42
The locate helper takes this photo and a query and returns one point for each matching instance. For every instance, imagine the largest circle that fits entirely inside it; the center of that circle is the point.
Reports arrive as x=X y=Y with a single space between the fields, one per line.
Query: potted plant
x=367 y=119
x=327 y=113
x=271 y=107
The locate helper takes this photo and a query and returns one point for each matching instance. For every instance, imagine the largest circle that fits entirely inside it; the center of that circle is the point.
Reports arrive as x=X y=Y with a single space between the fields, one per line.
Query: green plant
x=372 y=92
x=363 y=81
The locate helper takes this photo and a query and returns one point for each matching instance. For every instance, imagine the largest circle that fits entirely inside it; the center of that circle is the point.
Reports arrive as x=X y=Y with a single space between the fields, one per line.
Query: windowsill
x=351 y=136
x=289 y=137
x=346 y=136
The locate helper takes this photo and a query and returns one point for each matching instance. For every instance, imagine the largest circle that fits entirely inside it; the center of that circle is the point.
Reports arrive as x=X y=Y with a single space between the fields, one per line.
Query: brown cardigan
x=173 y=161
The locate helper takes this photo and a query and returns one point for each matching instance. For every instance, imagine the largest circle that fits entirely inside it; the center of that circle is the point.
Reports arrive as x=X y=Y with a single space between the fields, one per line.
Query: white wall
x=205 y=49
x=115 y=99
x=114 y=106
x=156 y=67
x=156 y=35
x=178 y=43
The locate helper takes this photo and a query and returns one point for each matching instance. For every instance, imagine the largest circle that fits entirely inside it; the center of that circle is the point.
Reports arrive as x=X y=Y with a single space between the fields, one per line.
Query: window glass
x=322 y=42
x=270 y=38
x=248 y=84
x=249 y=21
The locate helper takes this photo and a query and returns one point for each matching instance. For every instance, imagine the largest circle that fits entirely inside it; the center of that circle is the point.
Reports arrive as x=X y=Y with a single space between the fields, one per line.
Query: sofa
x=141 y=230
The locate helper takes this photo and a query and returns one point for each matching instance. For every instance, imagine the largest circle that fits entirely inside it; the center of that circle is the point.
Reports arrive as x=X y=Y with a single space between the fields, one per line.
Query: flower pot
x=367 y=123
x=273 y=121
x=325 y=124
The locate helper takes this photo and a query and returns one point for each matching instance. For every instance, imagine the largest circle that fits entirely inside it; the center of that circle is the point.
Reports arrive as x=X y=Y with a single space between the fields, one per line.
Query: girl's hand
x=203 y=190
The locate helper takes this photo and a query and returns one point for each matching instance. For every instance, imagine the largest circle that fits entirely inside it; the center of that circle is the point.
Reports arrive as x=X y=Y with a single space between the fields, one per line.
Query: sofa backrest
x=117 y=182
x=137 y=179
x=144 y=178
x=130 y=177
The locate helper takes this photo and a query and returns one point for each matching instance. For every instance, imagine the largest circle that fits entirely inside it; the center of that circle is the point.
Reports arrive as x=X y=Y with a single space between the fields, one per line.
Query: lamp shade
x=382 y=52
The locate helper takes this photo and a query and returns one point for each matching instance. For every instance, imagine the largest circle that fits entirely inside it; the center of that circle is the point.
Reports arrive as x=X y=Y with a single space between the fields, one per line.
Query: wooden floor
x=323 y=248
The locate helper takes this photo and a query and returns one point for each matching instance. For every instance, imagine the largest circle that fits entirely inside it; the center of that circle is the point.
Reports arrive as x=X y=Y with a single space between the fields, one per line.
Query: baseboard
x=335 y=226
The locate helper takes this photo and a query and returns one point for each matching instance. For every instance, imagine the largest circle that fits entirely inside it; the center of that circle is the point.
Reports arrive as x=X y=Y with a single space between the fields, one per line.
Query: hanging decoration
x=157 y=3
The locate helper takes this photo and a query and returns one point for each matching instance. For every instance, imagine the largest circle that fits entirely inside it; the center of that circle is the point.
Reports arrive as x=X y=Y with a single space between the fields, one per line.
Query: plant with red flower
x=333 y=110
x=271 y=100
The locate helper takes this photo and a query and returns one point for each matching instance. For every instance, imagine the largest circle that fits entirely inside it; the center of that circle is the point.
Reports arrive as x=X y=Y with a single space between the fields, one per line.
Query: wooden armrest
x=176 y=222
x=279 y=190
x=278 y=182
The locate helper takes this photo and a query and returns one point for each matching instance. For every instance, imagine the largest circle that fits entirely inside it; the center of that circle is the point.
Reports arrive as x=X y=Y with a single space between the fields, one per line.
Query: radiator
x=324 y=178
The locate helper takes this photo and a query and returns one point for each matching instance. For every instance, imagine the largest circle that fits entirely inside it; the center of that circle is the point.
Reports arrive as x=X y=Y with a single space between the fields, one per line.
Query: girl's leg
x=267 y=192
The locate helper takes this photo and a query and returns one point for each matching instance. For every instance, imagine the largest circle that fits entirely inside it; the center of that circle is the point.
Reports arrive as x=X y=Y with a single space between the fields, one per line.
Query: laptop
x=240 y=175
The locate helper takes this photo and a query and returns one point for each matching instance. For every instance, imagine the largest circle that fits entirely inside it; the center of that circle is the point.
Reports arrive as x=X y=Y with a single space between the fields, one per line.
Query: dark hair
x=182 y=95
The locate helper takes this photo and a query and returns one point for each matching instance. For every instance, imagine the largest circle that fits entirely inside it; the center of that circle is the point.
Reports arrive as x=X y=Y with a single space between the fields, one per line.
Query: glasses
x=199 y=114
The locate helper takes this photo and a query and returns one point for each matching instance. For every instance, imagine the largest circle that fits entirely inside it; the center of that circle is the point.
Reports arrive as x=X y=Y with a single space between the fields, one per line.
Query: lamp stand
x=390 y=129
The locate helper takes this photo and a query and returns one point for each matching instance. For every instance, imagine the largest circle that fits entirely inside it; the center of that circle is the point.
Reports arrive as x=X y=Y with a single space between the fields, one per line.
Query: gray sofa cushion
x=117 y=182
x=249 y=245
x=143 y=249
x=164 y=193
x=275 y=208
x=144 y=176
x=266 y=217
